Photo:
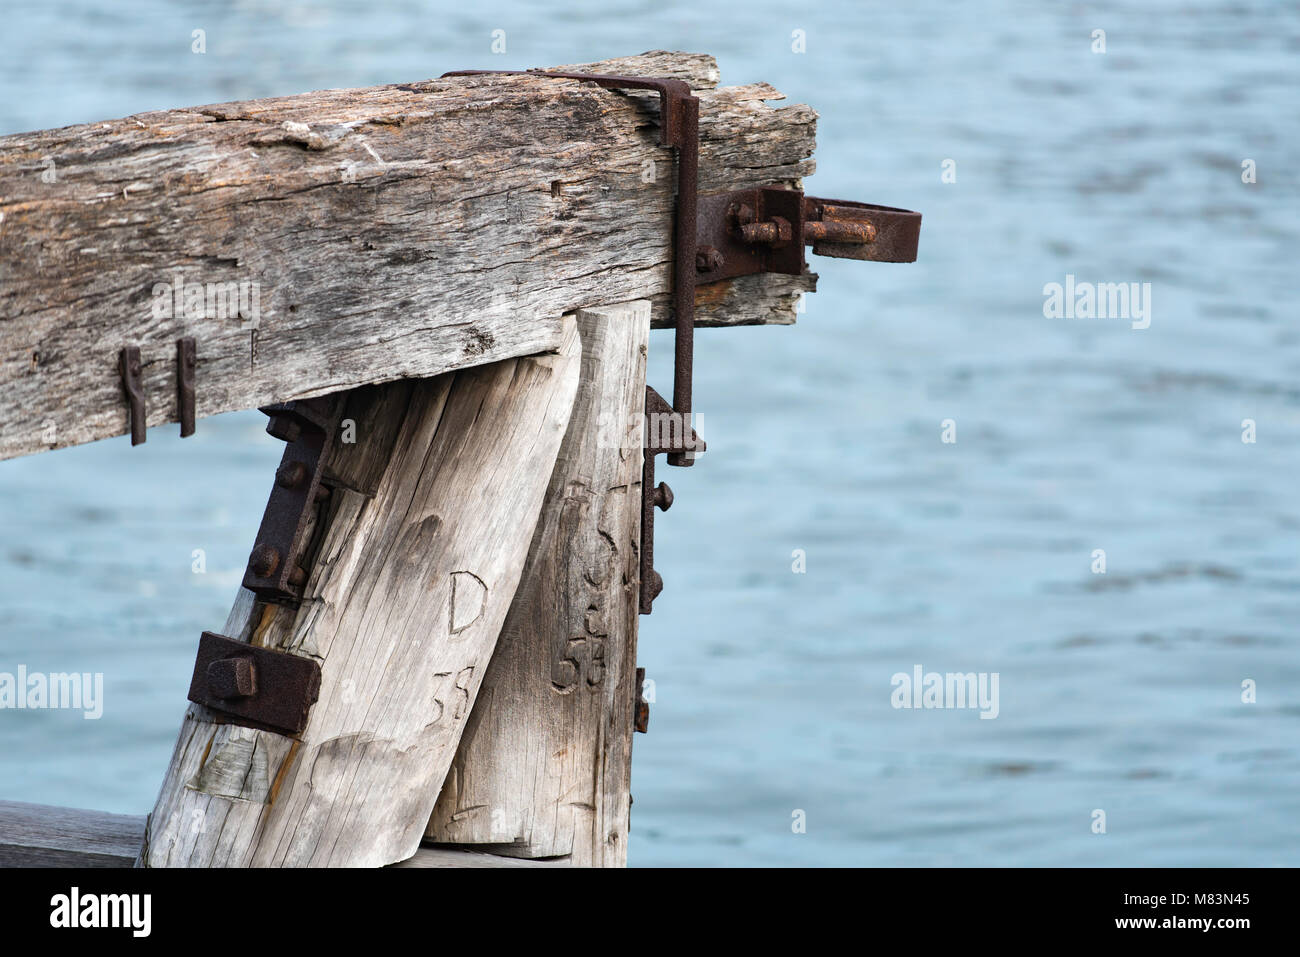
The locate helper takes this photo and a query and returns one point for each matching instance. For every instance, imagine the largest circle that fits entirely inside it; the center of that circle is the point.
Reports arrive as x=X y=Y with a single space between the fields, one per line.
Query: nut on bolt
x=663 y=497
x=264 y=561
x=707 y=259
x=232 y=678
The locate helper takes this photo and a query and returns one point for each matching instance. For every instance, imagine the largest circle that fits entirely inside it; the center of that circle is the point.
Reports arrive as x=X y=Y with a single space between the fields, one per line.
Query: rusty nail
x=264 y=561
x=186 y=362
x=232 y=678
x=129 y=366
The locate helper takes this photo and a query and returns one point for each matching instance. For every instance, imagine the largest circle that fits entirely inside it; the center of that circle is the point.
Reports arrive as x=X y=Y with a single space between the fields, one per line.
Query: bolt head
x=708 y=259
x=291 y=474
x=264 y=561
x=740 y=214
x=663 y=497
x=232 y=678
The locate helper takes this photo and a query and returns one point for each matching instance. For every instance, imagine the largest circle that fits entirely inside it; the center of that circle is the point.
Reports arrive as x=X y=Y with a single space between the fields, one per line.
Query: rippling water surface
x=1119 y=692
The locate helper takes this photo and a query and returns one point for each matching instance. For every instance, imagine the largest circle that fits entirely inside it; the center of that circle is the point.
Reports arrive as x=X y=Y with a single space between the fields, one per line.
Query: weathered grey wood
x=403 y=609
x=39 y=835
x=698 y=69
x=393 y=232
x=427 y=857
x=34 y=835
x=544 y=765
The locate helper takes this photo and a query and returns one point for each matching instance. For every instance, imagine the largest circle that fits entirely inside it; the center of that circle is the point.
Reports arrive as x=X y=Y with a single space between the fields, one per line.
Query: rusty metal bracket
x=726 y=235
x=679 y=128
x=641 y=712
x=765 y=230
x=254 y=687
x=186 y=362
x=277 y=567
x=666 y=432
x=128 y=365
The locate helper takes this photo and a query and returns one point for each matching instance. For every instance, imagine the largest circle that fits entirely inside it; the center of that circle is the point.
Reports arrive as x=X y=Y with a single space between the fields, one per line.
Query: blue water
x=1119 y=692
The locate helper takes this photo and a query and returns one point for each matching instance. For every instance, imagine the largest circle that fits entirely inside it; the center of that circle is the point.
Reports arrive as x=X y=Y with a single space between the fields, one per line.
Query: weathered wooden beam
x=38 y=835
x=34 y=835
x=376 y=234
x=403 y=608
x=544 y=765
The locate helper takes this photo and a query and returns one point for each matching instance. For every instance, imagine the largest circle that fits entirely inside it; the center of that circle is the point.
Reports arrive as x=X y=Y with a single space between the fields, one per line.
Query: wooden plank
x=544 y=765
x=34 y=835
x=376 y=234
x=403 y=608
x=38 y=835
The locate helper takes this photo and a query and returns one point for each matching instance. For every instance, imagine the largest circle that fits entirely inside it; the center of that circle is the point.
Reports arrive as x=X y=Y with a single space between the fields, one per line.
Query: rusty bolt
x=707 y=259
x=322 y=492
x=232 y=678
x=663 y=497
x=656 y=584
x=297 y=576
x=774 y=232
x=859 y=233
x=291 y=474
x=264 y=561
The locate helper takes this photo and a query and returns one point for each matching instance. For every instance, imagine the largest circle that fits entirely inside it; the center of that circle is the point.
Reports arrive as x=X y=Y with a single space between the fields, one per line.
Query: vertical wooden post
x=544 y=765
x=426 y=540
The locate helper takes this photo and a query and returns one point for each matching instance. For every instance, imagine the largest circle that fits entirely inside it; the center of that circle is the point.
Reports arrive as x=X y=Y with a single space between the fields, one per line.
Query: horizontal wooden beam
x=36 y=835
x=39 y=835
x=325 y=241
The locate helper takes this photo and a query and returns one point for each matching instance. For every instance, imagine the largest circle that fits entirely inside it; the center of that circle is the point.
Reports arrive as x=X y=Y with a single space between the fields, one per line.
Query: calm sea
x=1118 y=692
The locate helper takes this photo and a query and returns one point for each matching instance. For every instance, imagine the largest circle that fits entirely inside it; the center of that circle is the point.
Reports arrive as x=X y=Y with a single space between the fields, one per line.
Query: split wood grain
x=544 y=765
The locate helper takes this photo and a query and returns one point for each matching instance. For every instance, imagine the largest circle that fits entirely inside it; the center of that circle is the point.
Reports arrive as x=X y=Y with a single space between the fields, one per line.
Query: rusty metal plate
x=723 y=253
x=254 y=687
x=277 y=567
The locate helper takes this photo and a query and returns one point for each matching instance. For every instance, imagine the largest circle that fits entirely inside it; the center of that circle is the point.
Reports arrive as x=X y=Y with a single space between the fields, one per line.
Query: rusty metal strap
x=679 y=128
